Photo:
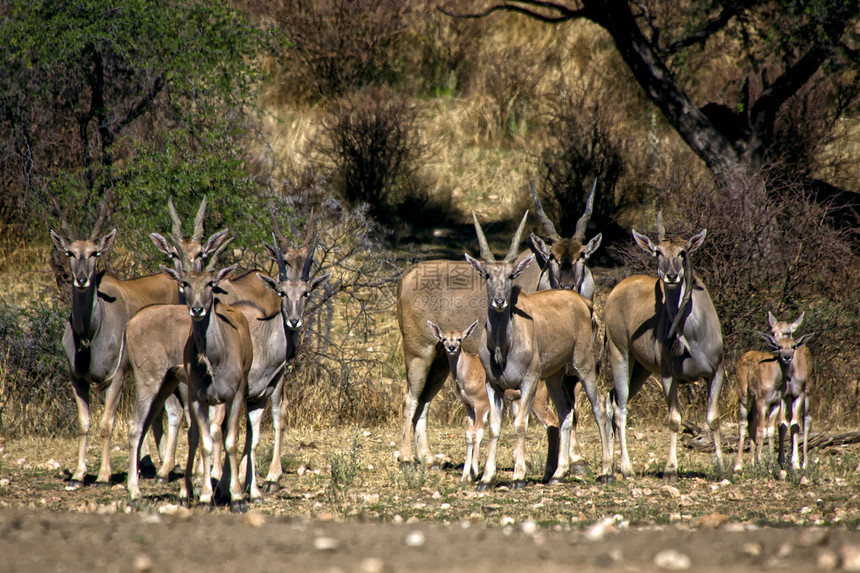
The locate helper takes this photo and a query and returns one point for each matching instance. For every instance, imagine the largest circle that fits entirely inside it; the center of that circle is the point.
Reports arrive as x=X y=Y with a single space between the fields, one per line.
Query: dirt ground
x=344 y=505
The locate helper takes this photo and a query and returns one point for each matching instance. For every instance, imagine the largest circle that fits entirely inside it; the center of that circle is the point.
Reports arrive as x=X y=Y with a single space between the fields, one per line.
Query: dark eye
x=306 y=294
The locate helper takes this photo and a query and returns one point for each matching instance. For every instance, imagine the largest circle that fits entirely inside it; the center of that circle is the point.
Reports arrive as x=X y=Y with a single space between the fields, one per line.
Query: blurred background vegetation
x=393 y=120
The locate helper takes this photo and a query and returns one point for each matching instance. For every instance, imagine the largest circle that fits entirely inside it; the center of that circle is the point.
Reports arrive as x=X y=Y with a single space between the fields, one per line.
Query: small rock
x=255 y=519
x=850 y=555
x=670 y=491
x=371 y=565
x=52 y=464
x=753 y=549
x=5 y=482
x=326 y=543
x=529 y=527
x=142 y=563
x=507 y=520
x=672 y=559
x=712 y=520
x=397 y=519
x=827 y=561
x=812 y=537
x=415 y=539
x=598 y=531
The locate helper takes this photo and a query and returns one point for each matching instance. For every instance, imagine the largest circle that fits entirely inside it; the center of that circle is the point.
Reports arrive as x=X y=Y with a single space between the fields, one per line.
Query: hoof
x=74 y=484
x=435 y=467
x=579 y=468
x=482 y=486
x=518 y=484
x=146 y=468
x=606 y=479
x=102 y=484
x=783 y=475
x=162 y=480
x=258 y=501
x=670 y=476
x=238 y=506
x=407 y=466
x=270 y=487
x=185 y=502
x=134 y=504
x=553 y=481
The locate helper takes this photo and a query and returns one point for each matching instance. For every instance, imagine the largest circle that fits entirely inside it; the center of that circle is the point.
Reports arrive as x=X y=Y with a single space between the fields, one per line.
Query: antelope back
x=448 y=293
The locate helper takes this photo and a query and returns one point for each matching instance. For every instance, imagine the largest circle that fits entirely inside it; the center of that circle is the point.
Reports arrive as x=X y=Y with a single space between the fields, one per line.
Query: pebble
x=827 y=561
x=142 y=563
x=598 y=531
x=371 y=565
x=850 y=555
x=415 y=539
x=529 y=527
x=672 y=559
x=326 y=543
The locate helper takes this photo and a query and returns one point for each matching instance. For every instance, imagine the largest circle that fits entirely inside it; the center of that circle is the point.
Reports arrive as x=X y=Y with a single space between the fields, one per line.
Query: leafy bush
x=35 y=391
x=336 y=46
x=373 y=141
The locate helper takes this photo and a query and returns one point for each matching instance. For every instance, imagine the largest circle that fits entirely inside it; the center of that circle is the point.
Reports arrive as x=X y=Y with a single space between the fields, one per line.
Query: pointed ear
x=59 y=241
x=107 y=242
x=319 y=281
x=225 y=273
x=271 y=251
x=270 y=283
x=796 y=324
x=171 y=273
x=522 y=265
x=771 y=319
x=162 y=245
x=769 y=340
x=803 y=340
x=437 y=332
x=476 y=264
x=540 y=246
x=696 y=241
x=468 y=332
x=592 y=246
x=215 y=241
x=644 y=243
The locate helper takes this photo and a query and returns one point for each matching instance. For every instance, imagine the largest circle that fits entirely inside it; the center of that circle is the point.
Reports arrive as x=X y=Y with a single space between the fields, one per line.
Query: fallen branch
x=701 y=441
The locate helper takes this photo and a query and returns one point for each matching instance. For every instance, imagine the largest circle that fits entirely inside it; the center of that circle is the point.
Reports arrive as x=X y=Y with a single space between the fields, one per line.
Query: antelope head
x=199 y=288
x=784 y=347
x=191 y=254
x=567 y=258
x=83 y=255
x=294 y=257
x=674 y=266
x=781 y=328
x=452 y=339
x=499 y=274
x=294 y=292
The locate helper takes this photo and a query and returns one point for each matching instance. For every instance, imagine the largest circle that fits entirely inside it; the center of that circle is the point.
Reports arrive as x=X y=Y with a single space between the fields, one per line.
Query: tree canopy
x=137 y=97
x=800 y=54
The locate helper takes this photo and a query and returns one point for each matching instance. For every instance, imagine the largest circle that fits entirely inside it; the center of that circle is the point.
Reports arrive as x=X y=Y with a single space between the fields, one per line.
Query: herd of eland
x=210 y=344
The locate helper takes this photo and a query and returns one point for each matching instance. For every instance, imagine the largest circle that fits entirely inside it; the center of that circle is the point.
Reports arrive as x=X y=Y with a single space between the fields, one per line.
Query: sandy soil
x=429 y=521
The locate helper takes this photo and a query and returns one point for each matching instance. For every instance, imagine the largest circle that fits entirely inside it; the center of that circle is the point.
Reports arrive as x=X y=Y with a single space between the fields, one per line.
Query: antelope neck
x=86 y=311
